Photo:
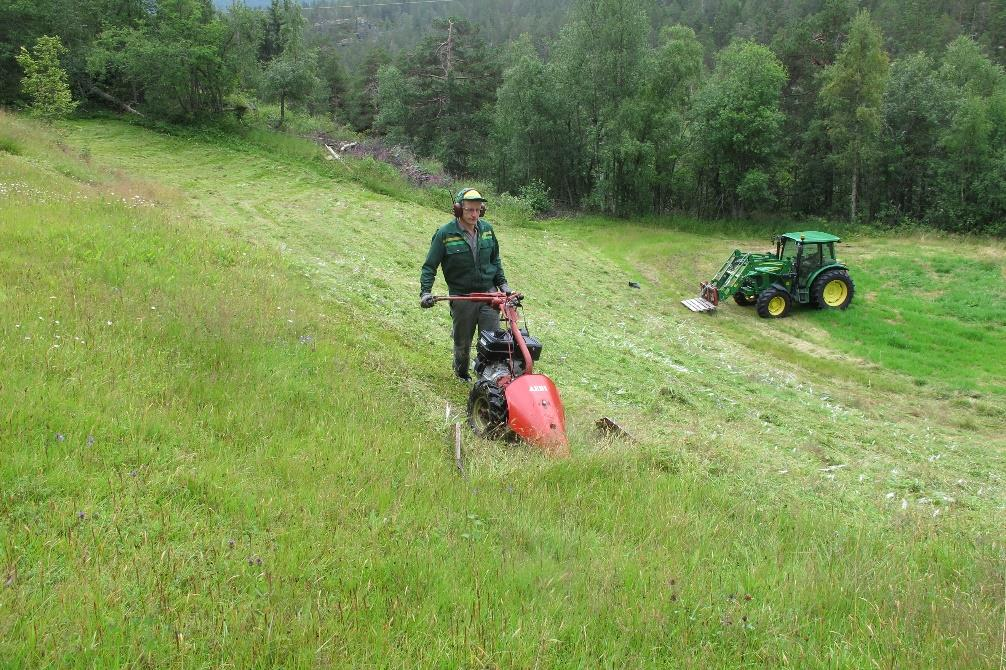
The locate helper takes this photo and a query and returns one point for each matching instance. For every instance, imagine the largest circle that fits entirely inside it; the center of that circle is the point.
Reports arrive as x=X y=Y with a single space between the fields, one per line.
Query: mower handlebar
x=495 y=298
x=507 y=305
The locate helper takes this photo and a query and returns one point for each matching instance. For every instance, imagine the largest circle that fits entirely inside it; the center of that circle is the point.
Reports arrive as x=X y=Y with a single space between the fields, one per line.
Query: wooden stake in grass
x=457 y=448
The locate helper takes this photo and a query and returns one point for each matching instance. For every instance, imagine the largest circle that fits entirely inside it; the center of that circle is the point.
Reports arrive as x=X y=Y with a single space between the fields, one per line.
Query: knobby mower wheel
x=834 y=289
x=773 y=303
x=743 y=300
x=487 y=414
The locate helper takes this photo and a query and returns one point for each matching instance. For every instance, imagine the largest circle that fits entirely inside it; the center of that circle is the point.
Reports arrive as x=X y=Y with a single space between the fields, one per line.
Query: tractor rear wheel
x=773 y=303
x=487 y=413
x=833 y=289
x=743 y=300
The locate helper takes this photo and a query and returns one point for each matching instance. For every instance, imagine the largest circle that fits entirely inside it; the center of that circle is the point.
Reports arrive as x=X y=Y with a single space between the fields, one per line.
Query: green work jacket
x=449 y=249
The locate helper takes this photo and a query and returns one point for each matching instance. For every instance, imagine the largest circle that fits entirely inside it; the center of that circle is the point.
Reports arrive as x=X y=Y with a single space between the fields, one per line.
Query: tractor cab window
x=788 y=248
x=828 y=252
x=810 y=261
x=813 y=255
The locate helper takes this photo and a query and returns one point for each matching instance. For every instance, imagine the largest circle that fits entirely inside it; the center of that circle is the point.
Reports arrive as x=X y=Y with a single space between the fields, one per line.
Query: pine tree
x=291 y=76
x=852 y=97
x=449 y=85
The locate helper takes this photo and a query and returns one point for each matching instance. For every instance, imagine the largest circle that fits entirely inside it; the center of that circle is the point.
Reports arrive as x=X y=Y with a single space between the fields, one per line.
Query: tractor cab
x=809 y=252
x=812 y=245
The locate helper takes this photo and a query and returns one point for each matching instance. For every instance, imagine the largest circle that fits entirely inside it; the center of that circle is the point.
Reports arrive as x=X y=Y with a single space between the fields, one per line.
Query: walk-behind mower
x=507 y=398
x=802 y=270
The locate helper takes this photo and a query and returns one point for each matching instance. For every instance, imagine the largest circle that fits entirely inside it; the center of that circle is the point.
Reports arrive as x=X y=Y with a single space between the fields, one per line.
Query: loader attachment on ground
x=699 y=305
x=724 y=284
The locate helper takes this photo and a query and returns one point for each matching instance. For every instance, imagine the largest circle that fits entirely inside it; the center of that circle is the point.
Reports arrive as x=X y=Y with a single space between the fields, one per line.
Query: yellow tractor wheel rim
x=777 y=305
x=835 y=292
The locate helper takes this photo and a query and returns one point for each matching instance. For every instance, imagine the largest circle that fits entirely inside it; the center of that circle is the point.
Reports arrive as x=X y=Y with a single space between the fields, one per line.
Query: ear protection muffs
x=458 y=211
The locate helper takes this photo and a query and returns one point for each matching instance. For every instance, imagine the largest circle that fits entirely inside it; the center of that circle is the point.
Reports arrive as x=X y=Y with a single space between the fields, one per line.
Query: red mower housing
x=507 y=398
x=535 y=413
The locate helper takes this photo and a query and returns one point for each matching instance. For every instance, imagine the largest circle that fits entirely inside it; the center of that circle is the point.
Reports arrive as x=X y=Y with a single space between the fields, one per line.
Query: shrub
x=536 y=195
x=510 y=208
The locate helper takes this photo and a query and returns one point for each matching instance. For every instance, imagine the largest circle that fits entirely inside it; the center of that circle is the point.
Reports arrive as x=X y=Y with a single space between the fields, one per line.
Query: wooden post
x=457 y=448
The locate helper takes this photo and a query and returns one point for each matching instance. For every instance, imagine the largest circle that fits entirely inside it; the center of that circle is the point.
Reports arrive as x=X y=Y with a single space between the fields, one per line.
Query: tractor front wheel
x=487 y=413
x=773 y=303
x=833 y=289
x=743 y=300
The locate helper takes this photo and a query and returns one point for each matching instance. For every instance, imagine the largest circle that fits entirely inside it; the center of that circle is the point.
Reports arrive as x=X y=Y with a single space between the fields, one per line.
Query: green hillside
x=225 y=442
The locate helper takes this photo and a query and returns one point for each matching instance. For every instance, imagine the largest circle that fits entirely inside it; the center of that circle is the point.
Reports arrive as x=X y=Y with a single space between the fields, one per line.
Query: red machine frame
x=534 y=409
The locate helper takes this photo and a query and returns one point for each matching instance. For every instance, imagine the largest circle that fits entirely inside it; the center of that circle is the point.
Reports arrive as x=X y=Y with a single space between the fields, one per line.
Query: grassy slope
x=284 y=403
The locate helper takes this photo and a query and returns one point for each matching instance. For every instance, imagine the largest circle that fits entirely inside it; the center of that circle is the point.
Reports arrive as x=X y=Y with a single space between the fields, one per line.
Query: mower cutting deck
x=507 y=396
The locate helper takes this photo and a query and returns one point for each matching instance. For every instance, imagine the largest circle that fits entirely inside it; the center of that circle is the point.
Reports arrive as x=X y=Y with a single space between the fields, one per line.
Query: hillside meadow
x=225 y=432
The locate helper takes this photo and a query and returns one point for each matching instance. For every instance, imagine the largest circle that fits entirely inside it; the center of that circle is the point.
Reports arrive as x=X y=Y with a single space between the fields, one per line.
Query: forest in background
x=890 y=112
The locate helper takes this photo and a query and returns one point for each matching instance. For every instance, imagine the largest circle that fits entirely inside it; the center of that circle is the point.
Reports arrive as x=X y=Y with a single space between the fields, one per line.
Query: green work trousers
x=466 y=316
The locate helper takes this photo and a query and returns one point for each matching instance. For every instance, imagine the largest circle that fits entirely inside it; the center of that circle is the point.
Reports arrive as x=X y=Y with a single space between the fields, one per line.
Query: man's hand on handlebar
x=427 y=300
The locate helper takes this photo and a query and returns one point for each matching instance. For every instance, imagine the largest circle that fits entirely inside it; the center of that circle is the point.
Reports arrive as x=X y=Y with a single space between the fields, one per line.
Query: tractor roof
x=811 y=237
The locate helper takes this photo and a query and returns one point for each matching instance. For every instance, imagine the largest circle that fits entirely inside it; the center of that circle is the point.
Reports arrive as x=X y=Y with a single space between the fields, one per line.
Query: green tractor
x=802 y=270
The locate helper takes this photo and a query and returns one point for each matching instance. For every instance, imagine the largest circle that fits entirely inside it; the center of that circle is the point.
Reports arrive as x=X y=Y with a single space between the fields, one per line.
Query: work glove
x=426 y=301
x=511 y=293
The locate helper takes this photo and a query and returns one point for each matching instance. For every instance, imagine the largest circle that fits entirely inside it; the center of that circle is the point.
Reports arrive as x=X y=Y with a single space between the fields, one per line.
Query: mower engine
x=507 y=397
x=495 y=354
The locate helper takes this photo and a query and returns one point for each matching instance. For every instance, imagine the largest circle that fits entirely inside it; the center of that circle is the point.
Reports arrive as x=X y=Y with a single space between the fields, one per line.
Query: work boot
x=461 y=372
